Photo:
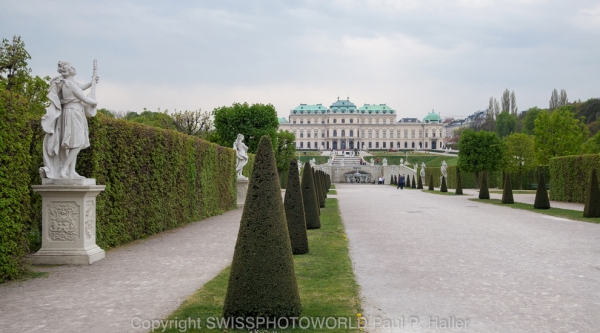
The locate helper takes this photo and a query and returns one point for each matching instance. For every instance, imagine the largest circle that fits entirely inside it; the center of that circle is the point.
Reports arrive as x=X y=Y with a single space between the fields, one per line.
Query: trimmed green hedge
x=468 y=178
x=15 y=141
x=155 y=179
x=570 y=175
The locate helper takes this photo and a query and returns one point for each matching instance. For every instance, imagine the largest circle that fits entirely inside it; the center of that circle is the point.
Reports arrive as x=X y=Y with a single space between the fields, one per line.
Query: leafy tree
x=106 y=113
x=16 y=77
x=506 y=123
x=253 y=121
x=558 y=134
x=152 y=118
x=590 y=109
x=479 y=151
x=518 y=154
x=529 y=119
x=285 y=150
x=592 y=145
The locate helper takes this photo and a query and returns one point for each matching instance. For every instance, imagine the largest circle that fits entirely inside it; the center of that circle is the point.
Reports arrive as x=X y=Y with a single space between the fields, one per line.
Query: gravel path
x=147 y=279
x=433 y=263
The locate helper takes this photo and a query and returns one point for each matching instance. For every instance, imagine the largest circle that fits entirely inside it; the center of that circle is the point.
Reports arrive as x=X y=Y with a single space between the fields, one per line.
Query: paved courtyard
x=433 y=263
x=147 y=279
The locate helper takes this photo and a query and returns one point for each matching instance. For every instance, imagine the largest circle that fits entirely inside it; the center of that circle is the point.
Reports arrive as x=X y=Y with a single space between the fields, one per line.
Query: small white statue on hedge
x=65 y=122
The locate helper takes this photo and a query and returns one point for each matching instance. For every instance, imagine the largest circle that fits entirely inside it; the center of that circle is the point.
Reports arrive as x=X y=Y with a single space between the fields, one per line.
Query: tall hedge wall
x=15 y=141
x=468 y=178
x=569 y=176
x=155 y=179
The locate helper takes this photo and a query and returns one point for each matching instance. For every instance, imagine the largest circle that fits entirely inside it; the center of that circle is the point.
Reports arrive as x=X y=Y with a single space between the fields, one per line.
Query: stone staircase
x=354 y=160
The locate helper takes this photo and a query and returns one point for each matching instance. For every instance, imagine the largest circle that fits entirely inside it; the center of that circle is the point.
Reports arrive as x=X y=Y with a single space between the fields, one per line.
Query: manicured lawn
x=450 y=192
x=332 y=192
x=557 y=212
x=332 y=187
x=515 y=191
x=325 y=280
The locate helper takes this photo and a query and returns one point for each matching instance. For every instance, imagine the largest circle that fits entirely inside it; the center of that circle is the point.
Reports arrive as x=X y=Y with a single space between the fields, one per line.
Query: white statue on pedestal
x=385 y=161
x=65 y=122
x=401 y=161
x=312 y=162
x=372 y=163
x=423 y=170
x=443 y=169
x=241 y=152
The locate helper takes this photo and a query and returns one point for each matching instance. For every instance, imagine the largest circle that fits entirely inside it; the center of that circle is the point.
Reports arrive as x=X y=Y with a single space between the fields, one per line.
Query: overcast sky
x=414 y=55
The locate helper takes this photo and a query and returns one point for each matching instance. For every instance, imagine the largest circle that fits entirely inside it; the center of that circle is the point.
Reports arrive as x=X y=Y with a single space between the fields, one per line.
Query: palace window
x=427 y=133
x=370 y=120
x=294 y=121
x=308 y=134
x=301 y=122
x=301 y=134
x=376 y=144
x=413 y=144
x=362 y=133
x=384 y=144
x=370 y=144
x=405 y=144
x=322 y=121
x=405 y=135
x=343 y=121
x=351 y=121
x=308 y=145
x=351 y=133
x=384 y=134
x=398 y=144
x=334 y=133
x=362 y=121
x=420 y=134
x=308 y=122
x=301 y=144
x=322 y=134
x=434 y=133
x=425 y=144
x=376 y=133
x=376 y=121
x=370 y=134
x=335 y=121
x=343 y=133
x=412 y=134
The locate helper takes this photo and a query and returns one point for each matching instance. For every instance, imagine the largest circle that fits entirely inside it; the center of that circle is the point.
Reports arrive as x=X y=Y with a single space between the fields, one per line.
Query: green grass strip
x=332 y=187
x=325 y=280
x=516 y=192
x=332 y=192
x=557 y=212
x=450 y=192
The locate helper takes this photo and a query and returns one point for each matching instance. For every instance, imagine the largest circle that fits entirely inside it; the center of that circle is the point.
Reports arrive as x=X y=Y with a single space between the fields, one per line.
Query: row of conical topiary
x=262 y=281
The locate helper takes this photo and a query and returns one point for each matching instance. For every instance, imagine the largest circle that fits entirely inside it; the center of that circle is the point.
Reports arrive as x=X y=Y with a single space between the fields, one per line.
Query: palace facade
x=344 y=126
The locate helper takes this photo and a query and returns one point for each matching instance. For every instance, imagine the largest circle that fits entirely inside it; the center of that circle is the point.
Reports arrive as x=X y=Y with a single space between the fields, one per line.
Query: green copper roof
x=282 y=120
x=309 y=109
x=375 y=109
x=432 y=117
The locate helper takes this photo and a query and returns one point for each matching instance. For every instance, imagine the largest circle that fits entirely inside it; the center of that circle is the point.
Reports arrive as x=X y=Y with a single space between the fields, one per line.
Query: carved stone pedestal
x=68 y=222
x=242 y=189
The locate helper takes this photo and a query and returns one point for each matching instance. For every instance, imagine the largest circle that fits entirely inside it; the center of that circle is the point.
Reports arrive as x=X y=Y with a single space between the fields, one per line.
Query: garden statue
x=385 y=161
x=423 y=170
x=416 y=166
x=65 y=122
x=401 y=161
x=372 y=163
x=299 y=166
x=313 y=162
x=241 y=152
x=443 y=169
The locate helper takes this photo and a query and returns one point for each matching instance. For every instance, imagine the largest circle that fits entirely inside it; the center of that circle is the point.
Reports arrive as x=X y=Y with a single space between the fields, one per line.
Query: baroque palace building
x=344 y=126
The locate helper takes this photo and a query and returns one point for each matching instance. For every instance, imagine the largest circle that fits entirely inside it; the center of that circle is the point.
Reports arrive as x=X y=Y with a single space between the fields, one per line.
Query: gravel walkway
x=433 y=263
x=147 y=279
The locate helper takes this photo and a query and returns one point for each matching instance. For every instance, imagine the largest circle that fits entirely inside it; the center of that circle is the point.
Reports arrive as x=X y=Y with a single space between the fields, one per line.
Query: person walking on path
x=401 y=182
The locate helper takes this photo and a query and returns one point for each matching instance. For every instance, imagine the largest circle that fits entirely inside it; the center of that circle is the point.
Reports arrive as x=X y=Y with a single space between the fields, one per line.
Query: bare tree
x=491 y=106
x=118 y=114
x=513 y=103
x=506 y=100
x=563 y=100
x=496 y=107
x=197 y=122
x=554 y=100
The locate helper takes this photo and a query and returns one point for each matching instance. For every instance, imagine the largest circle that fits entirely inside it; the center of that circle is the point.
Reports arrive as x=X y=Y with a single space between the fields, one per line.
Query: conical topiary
x=395 y=180
x=309 y=196
x=419 y=182
x=294 y=211
x=507 y=194
x=322 y=188
x=592 y=197
x=413 y=184
x=484 y=192
x=323 y=183
x=392 y=180
x=458 y=182
x=431 y=183
x=262 y=281
x=443 y=187
x=407 y=181
x=541 y=195
x=319 y=189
